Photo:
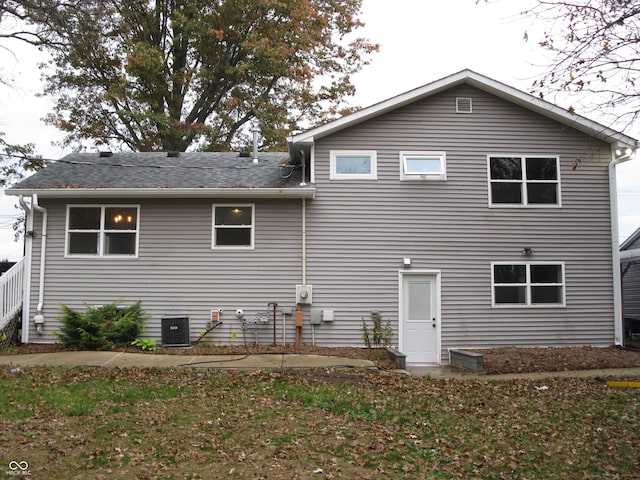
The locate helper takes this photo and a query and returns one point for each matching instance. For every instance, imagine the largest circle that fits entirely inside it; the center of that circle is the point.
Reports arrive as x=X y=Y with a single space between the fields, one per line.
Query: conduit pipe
x=38 y=319
x=304 y=241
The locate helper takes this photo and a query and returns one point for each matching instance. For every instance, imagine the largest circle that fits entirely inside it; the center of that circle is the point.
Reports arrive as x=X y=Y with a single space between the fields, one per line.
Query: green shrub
x=379 y=335
x=101 y=327
x=148 y=344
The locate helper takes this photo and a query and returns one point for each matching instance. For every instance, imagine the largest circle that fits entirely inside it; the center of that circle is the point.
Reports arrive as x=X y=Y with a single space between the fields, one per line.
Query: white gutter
x=38 y=319
x=615 y=248
x=28 y=251
x=296 y=192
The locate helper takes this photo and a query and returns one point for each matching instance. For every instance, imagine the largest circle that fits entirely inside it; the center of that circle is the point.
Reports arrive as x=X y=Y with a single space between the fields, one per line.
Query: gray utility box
x=175 y=331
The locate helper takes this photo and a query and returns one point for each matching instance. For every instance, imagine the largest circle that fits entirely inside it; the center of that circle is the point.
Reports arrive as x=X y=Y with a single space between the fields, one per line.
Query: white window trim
x=333 y=175
x=101 y=232
x=528 y=286
x=213 y=227
x=404 y=155
x=524 y=203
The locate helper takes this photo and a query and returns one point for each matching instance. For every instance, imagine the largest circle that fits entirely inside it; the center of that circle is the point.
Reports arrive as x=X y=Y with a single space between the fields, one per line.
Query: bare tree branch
x=595 y=46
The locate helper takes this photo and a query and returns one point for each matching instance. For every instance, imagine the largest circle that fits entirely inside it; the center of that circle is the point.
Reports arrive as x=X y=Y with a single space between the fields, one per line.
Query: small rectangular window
x=423 y=166
x=353 y=165
x=102 y=230
x=527 y=284
x=233 y=226
x=520 y=180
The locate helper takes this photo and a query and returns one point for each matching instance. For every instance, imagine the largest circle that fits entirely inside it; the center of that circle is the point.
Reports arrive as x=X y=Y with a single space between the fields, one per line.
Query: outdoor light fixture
x=406 y=262
x=527 y=251
x=626 y=153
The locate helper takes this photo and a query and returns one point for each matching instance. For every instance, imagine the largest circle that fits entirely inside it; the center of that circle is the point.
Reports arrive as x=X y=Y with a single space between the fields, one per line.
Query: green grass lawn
x=175 y=424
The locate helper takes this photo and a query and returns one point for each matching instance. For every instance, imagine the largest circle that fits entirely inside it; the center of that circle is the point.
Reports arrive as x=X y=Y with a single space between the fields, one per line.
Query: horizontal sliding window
x=528 y=284
x=423 y=166
x=353 y=165
x=100 y=230
x=524 y=180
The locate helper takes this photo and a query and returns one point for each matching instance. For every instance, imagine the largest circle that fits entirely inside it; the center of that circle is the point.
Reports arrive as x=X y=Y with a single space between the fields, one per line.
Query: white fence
x=11 y=283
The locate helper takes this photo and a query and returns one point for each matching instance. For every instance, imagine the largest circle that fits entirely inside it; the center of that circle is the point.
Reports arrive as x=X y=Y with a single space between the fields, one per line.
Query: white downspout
x=38 y=319
x=618 y=321
x=28 y=253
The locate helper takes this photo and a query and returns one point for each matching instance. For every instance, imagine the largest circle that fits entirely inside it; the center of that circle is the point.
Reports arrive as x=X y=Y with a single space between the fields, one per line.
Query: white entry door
x=419 y=322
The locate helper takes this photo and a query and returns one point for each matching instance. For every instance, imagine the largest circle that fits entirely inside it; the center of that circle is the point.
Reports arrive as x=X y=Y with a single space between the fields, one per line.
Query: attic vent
x=463 y=105
x=173 y=154
x=106 y=154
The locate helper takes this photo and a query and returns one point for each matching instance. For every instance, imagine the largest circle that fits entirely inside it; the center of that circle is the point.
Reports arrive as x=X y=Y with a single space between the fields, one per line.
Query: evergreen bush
x=101 y=327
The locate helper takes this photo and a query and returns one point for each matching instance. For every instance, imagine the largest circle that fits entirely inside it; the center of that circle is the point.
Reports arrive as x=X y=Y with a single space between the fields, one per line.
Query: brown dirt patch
x=529 y=360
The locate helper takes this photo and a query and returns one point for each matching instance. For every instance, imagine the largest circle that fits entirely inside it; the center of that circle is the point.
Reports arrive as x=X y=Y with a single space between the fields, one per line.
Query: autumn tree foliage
x=595 y=54
x=193 y=74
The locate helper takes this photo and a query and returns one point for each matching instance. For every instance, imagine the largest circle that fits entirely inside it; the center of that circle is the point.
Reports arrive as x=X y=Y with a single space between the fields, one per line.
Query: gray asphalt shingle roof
x=157 y=170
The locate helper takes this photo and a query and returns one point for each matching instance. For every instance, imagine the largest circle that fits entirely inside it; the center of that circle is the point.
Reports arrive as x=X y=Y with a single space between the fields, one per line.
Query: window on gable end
x=524 y=180
x=353 y=165
x=423 y=166
x=528 y=284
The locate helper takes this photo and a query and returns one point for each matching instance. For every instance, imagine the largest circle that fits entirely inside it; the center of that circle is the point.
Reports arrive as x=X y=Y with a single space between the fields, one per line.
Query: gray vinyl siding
x=631 y=285
x=359 y=231
x=631 y=290
x=177 y=272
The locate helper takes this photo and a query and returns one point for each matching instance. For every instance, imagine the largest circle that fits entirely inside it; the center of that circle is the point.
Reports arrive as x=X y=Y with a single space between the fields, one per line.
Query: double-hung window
x=353 y=165
x=102 y=230
x=524 y=180
x=528 y=284
x=423 y=166
x=233 y=226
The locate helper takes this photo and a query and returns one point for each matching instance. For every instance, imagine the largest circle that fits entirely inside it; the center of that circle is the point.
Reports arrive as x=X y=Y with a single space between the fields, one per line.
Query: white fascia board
x=377 y=109
x=483 y=83
x=302 y=192
x=632 y=238
x=551 y=110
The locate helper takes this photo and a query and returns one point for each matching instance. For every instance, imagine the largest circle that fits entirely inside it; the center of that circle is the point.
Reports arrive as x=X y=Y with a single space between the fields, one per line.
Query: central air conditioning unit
x=175 y=331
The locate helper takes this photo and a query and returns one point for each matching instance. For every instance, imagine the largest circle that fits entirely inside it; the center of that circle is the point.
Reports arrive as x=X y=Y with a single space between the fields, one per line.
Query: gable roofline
x=632 y=238
x=469 y=77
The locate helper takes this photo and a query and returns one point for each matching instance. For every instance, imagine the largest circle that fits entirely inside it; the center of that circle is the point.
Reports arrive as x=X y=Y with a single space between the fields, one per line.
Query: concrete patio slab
x=144 y=360
x=311 y=361
x=269 y=360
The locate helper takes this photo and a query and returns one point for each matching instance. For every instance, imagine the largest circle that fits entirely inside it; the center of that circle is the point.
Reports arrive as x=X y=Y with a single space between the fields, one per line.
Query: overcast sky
x=421 y=41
